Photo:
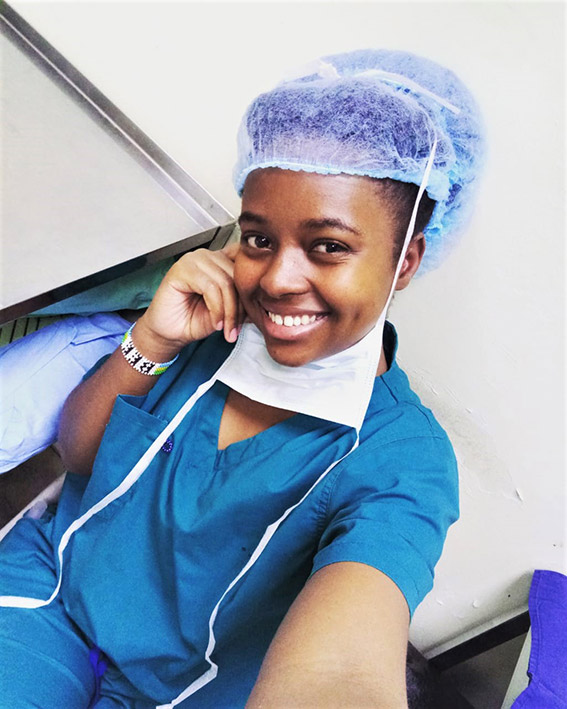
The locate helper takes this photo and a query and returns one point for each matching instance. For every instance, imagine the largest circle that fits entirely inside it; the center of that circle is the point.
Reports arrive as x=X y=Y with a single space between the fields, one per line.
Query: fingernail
x=233 y=335
x=219 y=325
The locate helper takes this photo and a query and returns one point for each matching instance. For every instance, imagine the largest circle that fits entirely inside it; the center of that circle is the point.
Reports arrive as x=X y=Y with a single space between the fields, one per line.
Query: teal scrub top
x=142 y=576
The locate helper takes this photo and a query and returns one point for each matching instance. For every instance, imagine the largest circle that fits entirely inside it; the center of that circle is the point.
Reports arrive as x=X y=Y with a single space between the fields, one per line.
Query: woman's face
x=314 y=268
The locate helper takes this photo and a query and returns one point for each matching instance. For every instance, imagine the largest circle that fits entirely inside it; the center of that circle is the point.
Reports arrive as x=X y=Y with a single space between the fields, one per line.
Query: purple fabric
x=168 y=446
x=547 y=668
x=99 y=665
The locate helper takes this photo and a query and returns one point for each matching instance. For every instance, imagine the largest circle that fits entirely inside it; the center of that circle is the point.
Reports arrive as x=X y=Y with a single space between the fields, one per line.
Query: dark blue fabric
x=547 y=667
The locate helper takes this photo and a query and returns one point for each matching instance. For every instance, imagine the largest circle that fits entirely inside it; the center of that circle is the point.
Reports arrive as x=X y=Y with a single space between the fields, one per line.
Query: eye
x=330 y=247
x=255 y=241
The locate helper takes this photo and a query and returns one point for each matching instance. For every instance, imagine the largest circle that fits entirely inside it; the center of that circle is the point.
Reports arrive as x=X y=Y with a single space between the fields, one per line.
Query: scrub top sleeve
x=390 y=507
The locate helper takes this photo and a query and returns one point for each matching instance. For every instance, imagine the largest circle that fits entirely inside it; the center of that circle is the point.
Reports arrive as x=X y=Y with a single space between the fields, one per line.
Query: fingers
x=231 y=250
x=210 y=274
x=225 y=303
x=221 y=301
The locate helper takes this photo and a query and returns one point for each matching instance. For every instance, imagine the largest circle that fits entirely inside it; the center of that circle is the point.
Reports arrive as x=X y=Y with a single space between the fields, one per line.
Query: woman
x=279 y=502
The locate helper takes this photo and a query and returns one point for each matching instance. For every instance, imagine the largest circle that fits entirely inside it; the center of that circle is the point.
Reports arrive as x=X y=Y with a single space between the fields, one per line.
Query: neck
x=382 y=364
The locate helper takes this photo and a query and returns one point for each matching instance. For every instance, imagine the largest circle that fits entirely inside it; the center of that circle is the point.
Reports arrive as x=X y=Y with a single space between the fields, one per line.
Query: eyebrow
x=329 y=223
x=312 y=224
x=251 y=217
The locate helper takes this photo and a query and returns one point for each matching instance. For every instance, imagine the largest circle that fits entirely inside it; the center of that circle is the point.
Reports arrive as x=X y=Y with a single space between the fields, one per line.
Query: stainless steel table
x=86 y=196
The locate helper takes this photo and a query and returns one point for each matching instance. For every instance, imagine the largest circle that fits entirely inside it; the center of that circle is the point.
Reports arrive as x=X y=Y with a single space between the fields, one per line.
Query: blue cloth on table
x=547 y=667
x=130 y=292
x=142 y=577
x=39 y=371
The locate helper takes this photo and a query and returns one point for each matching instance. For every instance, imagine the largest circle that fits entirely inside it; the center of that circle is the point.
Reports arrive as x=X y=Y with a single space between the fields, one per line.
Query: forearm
x=342 y=643
x=196 y=297
x=326 y=688
x=88 y=408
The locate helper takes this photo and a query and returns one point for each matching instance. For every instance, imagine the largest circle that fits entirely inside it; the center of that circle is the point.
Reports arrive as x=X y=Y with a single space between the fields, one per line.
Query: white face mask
x=337 y=388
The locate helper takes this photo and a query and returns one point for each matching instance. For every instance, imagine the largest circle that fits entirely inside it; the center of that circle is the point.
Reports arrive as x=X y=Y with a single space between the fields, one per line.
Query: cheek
x=365 y=294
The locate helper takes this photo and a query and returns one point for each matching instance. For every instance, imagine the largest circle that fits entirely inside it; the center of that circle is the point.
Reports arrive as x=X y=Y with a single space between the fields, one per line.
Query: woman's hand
x=196 y=297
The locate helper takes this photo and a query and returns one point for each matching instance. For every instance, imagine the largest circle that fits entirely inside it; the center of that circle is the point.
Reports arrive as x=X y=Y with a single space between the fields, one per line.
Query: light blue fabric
x=143 y=575
x=37 y=374
x=366 y=125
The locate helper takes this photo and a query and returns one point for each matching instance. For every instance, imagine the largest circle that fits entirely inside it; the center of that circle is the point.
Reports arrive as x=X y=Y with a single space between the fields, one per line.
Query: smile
x=291 y=327
x=292 y=320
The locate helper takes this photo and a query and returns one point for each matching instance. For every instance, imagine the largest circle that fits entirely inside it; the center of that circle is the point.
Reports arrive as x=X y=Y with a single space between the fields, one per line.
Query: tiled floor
x=24 y=326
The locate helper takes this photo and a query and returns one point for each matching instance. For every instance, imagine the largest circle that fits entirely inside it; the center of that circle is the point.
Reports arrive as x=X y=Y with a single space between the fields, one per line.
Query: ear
x=412 y=259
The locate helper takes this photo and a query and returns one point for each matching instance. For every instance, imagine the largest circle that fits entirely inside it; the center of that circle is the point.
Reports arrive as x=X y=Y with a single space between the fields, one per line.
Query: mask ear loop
x=411 y=225
x=377 y=333
x=401 y=80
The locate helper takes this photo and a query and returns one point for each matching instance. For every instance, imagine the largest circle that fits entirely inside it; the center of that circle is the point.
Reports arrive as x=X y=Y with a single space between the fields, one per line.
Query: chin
x=289 y=358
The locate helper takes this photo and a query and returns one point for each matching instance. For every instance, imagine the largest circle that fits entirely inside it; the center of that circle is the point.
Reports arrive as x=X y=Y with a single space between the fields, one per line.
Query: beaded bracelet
x=137 y=360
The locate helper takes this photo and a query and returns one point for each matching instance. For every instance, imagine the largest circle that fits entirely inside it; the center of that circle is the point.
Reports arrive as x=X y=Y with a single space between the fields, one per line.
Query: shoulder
x=390 y=503
x=395 y=412
x=401 y=442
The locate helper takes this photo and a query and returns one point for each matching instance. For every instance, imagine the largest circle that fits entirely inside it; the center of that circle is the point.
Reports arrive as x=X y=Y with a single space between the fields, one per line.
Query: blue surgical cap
x=375 y=113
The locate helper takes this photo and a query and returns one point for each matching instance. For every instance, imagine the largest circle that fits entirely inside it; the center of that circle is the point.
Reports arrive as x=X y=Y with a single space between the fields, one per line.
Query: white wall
x=482 y=338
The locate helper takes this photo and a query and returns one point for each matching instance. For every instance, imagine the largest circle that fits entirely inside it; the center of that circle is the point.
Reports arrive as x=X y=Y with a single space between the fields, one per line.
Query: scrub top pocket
x=130 y=432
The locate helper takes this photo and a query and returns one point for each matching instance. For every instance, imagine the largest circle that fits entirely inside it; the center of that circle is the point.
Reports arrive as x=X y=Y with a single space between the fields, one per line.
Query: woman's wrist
x=152 y=346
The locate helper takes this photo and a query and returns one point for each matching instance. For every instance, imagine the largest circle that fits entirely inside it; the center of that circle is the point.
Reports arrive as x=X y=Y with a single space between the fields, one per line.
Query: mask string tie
x=132 y=477
x=212 y=672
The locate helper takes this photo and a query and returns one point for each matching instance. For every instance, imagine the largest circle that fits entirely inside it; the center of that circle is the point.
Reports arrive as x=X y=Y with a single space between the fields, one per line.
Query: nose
x=286 y=273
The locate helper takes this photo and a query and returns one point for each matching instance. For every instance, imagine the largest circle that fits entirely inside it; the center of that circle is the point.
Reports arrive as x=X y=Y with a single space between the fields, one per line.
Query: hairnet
x=374 y=113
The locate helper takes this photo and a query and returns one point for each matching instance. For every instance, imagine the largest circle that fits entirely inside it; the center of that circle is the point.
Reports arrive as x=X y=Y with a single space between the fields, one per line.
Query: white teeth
x=291 y=320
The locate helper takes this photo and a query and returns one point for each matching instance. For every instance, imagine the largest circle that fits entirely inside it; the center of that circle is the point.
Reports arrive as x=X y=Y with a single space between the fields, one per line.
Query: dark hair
x=401 y=197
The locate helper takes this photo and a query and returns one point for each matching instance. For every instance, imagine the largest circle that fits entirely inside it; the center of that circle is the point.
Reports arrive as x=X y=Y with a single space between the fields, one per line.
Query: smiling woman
x=288 y=493
x=314 y=269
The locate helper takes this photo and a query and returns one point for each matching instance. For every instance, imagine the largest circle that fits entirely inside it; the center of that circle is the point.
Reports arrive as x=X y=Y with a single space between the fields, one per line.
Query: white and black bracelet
x=137 y=360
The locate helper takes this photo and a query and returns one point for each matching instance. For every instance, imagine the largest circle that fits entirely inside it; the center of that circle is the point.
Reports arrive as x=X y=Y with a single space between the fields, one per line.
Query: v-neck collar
x=270 y=439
